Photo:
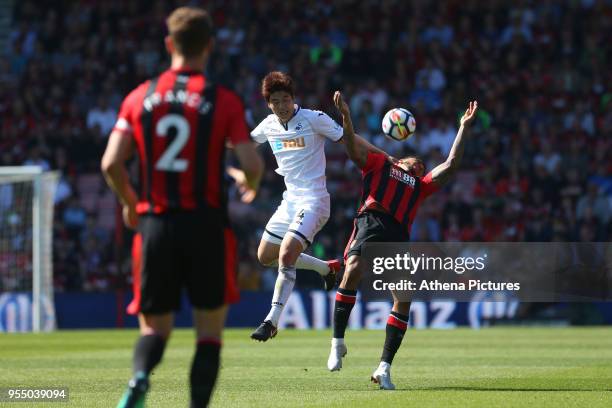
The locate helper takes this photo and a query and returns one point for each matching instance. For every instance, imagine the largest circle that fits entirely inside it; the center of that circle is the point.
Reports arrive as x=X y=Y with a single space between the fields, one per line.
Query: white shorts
x=302 y=219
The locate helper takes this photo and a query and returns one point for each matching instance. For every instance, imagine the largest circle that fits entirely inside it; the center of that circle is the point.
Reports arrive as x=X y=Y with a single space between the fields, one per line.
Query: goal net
x=26 y=238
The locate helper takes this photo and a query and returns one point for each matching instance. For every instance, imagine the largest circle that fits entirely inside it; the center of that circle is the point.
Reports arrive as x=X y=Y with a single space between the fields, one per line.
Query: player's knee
x=286 y=258
x=266 y=257
x=288 y=254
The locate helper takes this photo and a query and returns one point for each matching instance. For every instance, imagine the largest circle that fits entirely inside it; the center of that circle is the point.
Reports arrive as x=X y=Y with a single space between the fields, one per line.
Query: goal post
x=26 y=248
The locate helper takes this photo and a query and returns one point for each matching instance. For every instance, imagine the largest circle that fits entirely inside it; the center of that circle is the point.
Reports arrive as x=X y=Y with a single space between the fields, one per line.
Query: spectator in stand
x=548 y=125
x=102 y=116
x=592 y=205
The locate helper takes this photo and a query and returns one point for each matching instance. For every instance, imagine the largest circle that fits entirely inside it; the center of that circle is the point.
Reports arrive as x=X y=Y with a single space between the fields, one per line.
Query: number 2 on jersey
x=168 y=160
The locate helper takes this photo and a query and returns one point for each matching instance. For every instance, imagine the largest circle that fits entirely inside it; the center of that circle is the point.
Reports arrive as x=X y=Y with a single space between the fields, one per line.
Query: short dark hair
x=417 y=159
x=276 y=81
x=190 y=29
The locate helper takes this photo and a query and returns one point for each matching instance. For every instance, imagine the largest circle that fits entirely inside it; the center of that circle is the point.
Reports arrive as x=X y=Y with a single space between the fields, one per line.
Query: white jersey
x=299 y=149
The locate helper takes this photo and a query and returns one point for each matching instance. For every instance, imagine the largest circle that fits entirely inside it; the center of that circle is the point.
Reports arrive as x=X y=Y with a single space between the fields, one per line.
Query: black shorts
x=191 y=250
x=374 y=226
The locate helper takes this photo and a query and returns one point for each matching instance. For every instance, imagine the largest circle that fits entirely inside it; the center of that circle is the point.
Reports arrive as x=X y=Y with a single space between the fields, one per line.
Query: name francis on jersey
x=191 y=99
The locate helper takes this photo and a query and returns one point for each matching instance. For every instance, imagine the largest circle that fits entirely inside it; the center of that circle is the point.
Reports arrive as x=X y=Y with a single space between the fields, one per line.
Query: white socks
x=384 y=366
x=314 y=264
x=337 y=342
x=311 y=263
x=285 y=282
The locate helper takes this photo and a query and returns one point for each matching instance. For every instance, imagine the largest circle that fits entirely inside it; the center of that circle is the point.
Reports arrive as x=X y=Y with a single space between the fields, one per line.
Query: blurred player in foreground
x=178 y=124
x=297 y=137
x=392 y=193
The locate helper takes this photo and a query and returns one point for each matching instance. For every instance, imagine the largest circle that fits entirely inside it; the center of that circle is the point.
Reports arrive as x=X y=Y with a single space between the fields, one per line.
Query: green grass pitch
x=499 y=367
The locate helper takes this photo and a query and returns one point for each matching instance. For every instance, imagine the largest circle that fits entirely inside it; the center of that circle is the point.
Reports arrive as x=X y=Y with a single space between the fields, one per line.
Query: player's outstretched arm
x=369 y=146
x=249 y=177
x=443 y=173
x=357 y=152
x=118 y=150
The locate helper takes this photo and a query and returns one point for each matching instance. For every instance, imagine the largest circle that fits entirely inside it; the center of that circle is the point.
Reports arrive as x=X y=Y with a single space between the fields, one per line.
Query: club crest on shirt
x=402 y=176
x=287 y=144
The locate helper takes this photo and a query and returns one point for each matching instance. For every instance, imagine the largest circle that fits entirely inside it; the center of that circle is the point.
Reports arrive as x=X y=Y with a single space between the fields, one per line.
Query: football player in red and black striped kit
x=392 y=192
x=179 y=124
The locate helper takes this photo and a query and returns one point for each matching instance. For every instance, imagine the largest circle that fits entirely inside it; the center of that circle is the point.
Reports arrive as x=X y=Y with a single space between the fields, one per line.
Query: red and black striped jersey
x=180 y=123
x=394 y=189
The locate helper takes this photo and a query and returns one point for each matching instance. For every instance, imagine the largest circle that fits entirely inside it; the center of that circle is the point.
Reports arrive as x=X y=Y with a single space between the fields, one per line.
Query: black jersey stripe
x=367 y=185
x=400 y=190
x=412 y=202
x=146 y=119
x=178 y=108
x=202 y=143
x=379 y=194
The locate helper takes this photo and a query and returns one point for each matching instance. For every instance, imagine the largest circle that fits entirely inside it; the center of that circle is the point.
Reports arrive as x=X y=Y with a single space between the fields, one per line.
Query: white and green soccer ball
x=398 y=124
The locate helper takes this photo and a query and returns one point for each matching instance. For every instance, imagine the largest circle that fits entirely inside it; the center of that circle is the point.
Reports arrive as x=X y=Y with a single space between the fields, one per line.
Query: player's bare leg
x=397 y=324
x=205 y=366
x=345 y=300
x=268 y=254
x=154 y=333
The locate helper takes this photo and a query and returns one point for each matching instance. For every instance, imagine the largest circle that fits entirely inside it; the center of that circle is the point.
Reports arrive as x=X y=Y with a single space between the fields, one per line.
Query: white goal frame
x=35 y=174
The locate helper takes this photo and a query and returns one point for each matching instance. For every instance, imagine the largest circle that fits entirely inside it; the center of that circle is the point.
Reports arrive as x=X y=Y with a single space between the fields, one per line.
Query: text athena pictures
x=458 y=265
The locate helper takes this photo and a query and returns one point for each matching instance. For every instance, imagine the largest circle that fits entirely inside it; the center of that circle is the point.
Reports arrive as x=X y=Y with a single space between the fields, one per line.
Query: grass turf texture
x=500 y=367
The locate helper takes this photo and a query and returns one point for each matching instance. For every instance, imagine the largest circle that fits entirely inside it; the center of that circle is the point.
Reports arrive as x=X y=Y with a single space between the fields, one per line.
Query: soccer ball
x=398 y=124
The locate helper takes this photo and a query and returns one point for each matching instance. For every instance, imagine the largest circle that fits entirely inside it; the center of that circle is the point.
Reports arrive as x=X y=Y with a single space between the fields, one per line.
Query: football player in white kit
x=297 y=137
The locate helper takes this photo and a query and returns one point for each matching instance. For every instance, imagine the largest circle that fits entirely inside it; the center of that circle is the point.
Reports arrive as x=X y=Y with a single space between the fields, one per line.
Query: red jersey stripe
x=134 y=306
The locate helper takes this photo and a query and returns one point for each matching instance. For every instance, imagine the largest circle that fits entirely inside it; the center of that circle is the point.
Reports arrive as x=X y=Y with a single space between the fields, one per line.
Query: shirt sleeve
x=428 y=186
x=373 y=162
x=258 y=135
x=125 y=119
x=326 y=126
x=237 y=130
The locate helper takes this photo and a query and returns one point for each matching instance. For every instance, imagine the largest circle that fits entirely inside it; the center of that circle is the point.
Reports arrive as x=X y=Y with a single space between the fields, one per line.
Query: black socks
x=148 y=353
x=204 y=371
x=396 y=327
x=345 y=300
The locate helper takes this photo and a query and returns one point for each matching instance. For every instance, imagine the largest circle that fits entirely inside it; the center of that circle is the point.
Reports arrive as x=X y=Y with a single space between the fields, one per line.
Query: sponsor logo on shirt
x=287 y=144
x=402 y=176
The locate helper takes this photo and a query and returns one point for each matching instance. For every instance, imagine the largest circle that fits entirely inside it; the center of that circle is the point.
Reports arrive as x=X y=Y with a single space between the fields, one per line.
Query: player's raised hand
x=469 y=114
x=341 y=105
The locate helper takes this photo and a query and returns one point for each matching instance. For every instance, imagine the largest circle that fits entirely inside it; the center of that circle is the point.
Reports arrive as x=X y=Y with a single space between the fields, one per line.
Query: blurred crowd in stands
x=537 y=165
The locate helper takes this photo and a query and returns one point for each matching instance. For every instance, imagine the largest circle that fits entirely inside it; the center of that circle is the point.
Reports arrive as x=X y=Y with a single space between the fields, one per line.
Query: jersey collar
x=186 y=71
x=296 y=109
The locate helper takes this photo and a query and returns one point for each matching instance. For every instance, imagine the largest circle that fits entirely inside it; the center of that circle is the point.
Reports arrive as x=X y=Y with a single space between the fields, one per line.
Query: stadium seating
x=544 y=94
